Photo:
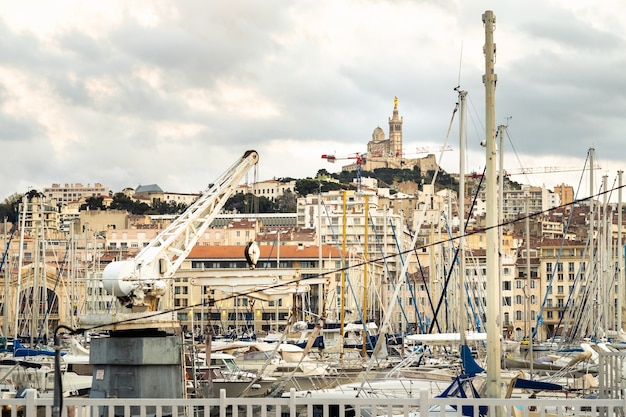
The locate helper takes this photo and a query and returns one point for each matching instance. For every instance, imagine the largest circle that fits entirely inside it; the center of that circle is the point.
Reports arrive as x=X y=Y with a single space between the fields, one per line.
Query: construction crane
x=426 y=149
x=543 y=170
x=139 y=283
x=359 y=160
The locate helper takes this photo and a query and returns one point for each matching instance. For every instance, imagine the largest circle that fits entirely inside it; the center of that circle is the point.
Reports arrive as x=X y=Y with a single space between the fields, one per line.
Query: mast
x=604 y=251
x=18 y=296
x=462 y=144
x=493 y=281
x=342 y=309
x=591 y=270
x=620 y=253
x=501 y=129
x=365 y=249
x=529 y=331
x=321 y=303
x=5 y=313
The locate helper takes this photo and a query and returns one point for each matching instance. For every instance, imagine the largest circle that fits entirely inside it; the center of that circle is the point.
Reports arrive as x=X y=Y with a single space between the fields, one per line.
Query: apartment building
x=378 y=233
x=271 y=189
x=567 y=280
x=67 y=193
x=538 y=200
x=232 y=308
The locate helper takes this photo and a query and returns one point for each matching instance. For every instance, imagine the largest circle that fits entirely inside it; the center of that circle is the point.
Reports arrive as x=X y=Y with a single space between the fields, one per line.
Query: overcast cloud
x=127 y=93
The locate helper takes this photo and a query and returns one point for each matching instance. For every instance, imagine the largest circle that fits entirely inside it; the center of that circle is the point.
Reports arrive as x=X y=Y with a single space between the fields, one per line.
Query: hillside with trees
x=249 y=203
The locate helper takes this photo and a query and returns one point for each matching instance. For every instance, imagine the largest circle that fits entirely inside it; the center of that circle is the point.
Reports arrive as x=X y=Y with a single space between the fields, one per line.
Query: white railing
x=293 y=406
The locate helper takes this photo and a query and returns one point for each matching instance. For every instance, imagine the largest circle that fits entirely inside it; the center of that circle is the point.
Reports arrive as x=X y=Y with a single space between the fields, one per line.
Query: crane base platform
x=129 y=321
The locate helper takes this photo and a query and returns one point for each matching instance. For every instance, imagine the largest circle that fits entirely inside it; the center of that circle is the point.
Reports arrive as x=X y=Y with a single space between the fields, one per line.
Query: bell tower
x=395 y=132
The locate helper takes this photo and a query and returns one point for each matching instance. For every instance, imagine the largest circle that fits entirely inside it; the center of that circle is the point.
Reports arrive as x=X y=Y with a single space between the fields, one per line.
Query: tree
x=307 y=186
x=122 y=202
x=265 y=205
x=93 y=203
x=236 y=202
x=286 y=203
x=33 y=194
x=10 y=207
x=322 y=173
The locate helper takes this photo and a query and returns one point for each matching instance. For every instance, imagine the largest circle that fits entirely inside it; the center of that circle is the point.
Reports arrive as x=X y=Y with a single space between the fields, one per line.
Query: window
x=549 y=267
x=506 y=285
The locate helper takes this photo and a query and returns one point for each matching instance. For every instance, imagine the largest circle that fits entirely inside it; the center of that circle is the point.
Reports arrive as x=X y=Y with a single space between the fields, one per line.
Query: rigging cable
x=554 y=271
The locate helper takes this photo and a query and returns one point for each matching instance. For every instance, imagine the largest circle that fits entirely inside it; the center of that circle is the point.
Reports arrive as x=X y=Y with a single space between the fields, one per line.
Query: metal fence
x=296 y=406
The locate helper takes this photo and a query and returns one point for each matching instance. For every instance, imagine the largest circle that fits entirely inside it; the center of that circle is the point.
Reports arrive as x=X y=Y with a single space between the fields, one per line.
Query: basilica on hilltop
x=388 y=152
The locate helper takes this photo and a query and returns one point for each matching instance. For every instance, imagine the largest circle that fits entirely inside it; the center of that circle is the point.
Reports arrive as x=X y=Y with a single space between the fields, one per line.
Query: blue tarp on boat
x=20 y=351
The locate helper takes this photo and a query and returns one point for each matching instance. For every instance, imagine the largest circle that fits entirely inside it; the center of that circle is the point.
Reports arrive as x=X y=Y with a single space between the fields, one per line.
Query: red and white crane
x=359 y=160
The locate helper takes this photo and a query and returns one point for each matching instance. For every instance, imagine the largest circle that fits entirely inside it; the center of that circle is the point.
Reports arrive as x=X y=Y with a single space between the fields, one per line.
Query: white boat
x=509 y=345
x=206 y=380
x=446 y=338
x=284 y=361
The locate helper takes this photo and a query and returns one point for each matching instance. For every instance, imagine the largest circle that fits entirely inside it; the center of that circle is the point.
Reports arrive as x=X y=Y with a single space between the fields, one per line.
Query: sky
x=129 y=93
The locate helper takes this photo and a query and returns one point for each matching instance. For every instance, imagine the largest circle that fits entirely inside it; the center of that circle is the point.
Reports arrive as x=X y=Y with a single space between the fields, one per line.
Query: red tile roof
x=267 y=251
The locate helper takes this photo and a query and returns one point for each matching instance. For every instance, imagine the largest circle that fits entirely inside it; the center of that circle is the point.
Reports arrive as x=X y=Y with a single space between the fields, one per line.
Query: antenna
x=460 y=63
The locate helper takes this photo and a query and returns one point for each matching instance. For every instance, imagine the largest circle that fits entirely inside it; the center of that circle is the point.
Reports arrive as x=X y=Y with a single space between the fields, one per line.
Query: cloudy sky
x=129 y=93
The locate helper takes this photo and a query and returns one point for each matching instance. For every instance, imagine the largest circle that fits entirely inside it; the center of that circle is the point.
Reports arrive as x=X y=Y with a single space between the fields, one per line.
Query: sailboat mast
x=592 y=216
x=5 y=312
x=365 y=249
x=620 y=252
x=604 y=245
x=493 y=280
x=461 y=288
x=18 y=294
x=501 y=129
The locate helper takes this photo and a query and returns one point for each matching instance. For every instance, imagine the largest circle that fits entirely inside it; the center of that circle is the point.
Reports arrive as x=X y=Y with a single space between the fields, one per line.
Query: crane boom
x=544 y=170
x=139 y=283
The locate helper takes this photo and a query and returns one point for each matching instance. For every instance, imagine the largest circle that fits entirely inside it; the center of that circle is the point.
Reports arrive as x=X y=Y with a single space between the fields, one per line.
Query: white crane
x=139 y=283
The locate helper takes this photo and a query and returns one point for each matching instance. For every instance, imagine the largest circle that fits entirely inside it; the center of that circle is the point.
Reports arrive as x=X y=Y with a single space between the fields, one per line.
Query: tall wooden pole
x=493 y=279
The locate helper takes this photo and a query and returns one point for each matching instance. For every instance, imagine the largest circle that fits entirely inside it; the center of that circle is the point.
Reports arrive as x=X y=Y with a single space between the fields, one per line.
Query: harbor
x=375 y=303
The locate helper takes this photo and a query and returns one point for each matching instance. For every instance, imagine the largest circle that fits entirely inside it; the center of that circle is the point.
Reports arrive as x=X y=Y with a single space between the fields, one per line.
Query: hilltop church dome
x=378 y=135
